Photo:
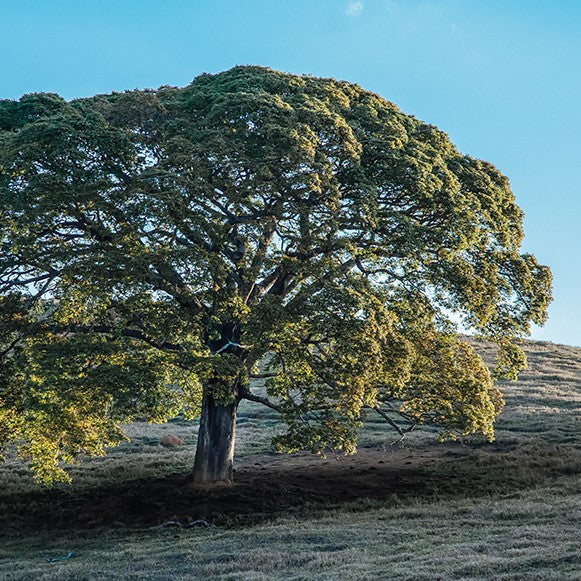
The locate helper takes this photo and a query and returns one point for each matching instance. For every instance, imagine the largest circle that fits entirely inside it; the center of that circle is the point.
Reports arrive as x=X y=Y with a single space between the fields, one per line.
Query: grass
x=466 y=511
x=533 y=535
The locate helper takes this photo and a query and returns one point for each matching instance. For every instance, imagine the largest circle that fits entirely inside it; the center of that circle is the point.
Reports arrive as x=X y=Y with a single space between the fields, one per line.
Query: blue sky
x=502 y=78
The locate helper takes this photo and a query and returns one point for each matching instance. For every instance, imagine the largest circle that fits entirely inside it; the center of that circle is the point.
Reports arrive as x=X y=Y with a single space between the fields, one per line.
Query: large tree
x=157 y=246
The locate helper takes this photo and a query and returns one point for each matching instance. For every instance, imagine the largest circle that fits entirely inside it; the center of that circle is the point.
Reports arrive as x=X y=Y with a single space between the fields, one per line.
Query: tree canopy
x=161 y=248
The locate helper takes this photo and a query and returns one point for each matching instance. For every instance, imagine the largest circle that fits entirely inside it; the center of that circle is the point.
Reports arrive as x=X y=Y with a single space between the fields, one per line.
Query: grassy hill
x=415 y=509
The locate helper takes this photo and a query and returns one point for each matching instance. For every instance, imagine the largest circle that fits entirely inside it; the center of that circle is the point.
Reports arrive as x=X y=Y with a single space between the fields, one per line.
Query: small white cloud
x=354 y=8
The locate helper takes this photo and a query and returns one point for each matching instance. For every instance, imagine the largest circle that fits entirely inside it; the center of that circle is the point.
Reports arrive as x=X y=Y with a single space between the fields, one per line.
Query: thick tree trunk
x=215 y=450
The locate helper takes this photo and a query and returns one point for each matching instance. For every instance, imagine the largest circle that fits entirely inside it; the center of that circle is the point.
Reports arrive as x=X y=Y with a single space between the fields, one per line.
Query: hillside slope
x=411 y=510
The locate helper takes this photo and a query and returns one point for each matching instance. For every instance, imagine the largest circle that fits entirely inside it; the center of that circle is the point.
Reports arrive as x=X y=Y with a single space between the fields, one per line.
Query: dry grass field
x=412 y=510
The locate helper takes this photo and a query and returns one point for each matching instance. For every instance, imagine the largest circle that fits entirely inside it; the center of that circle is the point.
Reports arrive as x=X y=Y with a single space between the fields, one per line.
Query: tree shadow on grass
x=268 y=486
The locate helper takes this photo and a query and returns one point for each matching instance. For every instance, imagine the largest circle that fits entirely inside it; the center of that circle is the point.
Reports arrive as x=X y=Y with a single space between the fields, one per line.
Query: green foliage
x=158 y=243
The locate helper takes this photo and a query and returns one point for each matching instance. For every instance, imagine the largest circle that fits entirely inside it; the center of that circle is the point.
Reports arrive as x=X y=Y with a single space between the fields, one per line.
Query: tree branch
x=162 y=345
x=401 y=431
x=247 y=394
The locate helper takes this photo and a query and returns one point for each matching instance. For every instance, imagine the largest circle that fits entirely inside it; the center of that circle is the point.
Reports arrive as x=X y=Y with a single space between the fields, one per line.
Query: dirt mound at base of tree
x=268 y=485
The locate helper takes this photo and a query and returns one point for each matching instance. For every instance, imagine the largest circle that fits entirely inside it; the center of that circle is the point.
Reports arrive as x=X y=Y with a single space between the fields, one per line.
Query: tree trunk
x=215 y=450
